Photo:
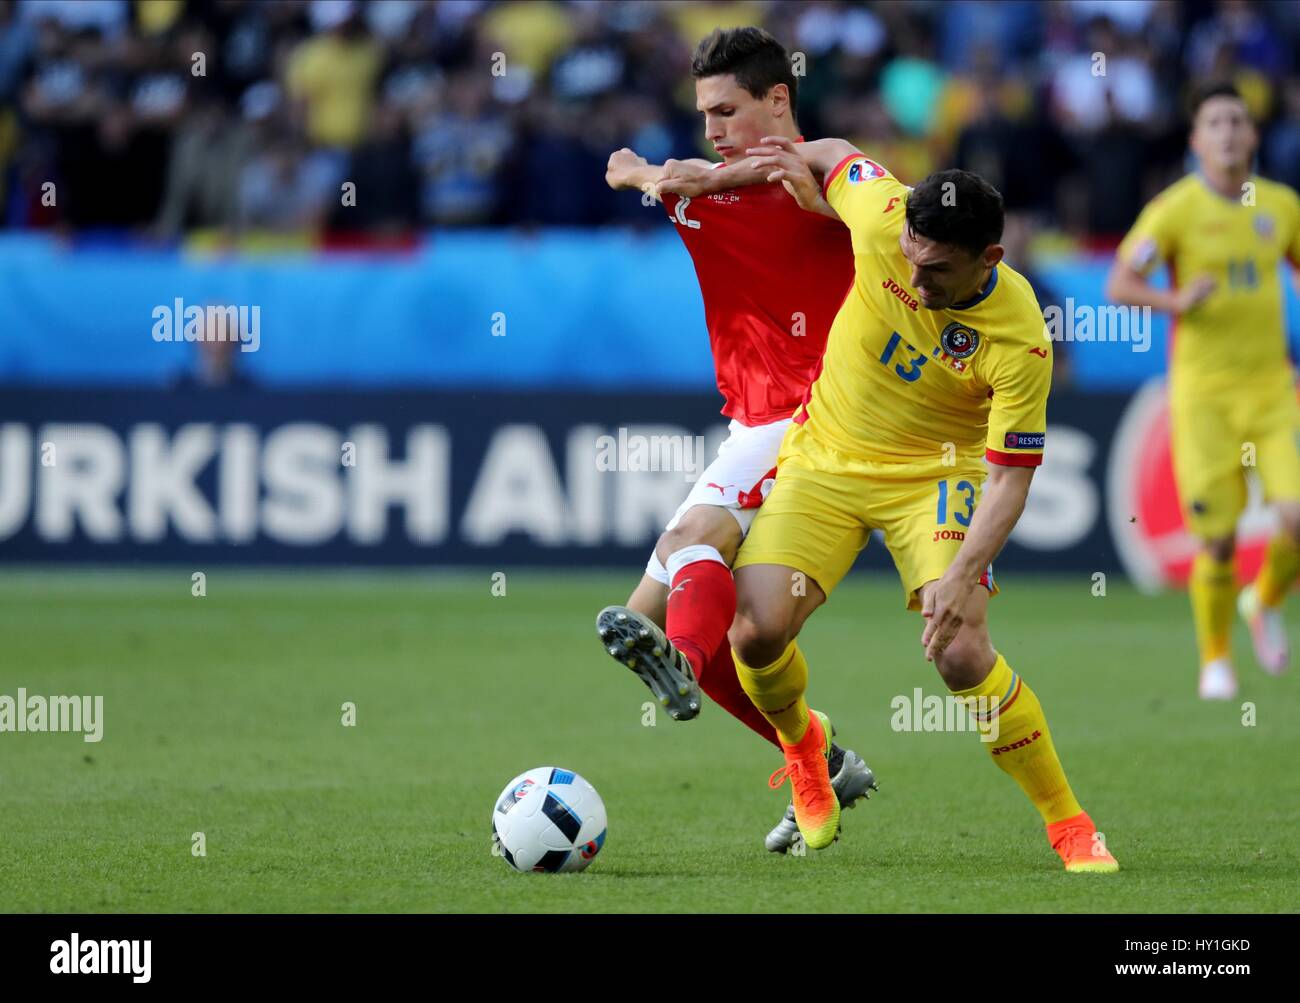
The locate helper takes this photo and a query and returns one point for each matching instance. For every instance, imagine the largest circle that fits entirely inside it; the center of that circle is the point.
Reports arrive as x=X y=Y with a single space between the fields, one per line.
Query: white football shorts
x=738 y=479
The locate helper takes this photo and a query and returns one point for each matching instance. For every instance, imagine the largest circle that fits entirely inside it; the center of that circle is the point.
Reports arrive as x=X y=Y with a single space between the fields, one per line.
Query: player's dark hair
x=957 y=208
x=757 y=60
x=1211 y=89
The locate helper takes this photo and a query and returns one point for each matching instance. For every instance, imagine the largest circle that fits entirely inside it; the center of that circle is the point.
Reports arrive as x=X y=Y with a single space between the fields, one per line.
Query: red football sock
x=720 y=682
x=701 y=606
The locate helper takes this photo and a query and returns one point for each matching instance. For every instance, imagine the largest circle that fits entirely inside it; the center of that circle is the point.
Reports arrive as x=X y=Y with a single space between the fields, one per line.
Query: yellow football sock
x=1278 y=573
x=777 y=691
x=1213 y=590
x=1023 y=745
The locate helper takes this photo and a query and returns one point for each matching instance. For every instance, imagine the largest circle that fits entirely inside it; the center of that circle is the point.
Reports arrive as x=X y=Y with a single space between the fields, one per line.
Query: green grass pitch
x=223 y=716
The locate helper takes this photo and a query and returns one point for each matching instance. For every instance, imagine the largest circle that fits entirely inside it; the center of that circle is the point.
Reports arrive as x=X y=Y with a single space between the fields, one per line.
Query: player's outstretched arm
x=627 y=170
x=798 y=166
x=1127 y=286
x=821 y=155
x=1005 y=492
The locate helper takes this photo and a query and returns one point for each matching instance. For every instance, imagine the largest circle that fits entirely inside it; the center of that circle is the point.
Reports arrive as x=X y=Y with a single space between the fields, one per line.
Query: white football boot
x=1218 y=680
x=1267 y=631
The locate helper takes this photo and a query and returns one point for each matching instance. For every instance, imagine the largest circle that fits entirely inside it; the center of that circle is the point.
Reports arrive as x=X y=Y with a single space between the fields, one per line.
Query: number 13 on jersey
x=963 y=503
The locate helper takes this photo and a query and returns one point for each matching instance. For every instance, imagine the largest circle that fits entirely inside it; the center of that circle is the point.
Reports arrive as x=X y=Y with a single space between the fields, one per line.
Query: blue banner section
x=554 y=309
x=500 y=480
x=566 y=308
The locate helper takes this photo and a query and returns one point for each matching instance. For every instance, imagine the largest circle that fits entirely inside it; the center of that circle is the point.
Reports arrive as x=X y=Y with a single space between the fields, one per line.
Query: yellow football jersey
x=900 y=383
x=1236 y=337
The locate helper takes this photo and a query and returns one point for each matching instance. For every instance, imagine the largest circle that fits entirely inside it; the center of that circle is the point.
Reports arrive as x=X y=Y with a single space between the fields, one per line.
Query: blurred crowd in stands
x=161 y=117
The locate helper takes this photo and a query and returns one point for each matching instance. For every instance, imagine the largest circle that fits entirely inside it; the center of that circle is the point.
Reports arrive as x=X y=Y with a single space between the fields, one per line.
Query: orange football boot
x=1077 y=841
x=816 y=807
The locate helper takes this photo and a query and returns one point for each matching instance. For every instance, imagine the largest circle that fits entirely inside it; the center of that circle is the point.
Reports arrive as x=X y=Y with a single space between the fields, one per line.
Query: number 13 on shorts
x=957 y=500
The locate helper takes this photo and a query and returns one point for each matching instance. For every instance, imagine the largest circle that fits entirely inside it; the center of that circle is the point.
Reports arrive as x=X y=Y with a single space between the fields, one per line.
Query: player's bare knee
x=681 y=535
x=714 y=527
x=759 y=640
x=967 y=660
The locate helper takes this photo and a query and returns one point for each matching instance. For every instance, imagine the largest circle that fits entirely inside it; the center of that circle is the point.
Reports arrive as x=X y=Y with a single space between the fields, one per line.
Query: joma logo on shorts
x=900 y=293
x=1017 y=745
x=948 y=534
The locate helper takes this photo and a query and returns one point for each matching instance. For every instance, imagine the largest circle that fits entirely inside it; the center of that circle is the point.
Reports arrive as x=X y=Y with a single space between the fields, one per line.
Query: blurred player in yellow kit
x=1223 y=233
x=936 y=362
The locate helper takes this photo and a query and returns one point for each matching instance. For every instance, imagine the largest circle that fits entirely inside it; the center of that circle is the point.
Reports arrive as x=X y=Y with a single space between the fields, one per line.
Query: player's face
x=942 y=274
x=1223 y=136
x=734 y=119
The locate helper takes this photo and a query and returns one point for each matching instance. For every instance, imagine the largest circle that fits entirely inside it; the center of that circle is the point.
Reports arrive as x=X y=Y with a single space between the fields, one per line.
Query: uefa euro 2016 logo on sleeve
x=864 y=170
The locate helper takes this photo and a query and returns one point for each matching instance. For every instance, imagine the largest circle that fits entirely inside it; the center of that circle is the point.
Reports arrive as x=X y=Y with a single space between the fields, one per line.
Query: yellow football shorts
x=1217 y=440
x=817 y=518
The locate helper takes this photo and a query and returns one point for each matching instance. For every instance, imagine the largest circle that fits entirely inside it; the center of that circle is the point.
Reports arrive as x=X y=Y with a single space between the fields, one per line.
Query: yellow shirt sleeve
x=1151 y=241
x=1020 y=375
x=862 y=191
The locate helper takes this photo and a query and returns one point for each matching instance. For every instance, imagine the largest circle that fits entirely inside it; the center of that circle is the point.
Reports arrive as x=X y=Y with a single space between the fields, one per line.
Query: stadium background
x=481 y=306
x=463 y=333
x=408 y=199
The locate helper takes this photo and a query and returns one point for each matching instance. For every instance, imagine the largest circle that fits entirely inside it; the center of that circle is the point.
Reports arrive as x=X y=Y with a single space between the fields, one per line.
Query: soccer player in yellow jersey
x=936 y=362
x=1223 y=233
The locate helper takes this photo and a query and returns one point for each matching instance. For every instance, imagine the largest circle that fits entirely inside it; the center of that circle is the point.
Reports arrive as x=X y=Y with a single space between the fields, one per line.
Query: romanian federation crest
x=959 y=341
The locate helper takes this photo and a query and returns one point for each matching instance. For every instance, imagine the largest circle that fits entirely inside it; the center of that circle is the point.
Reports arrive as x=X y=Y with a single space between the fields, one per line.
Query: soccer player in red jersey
x=772 y=277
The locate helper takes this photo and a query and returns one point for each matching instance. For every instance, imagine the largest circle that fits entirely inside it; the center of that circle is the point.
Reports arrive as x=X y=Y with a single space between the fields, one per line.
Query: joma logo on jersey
x=1025 y=440
x=864 y=170
x=948 y=534
x=900 y=293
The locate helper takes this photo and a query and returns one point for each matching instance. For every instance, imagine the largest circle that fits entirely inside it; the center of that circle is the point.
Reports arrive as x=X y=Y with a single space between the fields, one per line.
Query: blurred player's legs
x=1279 y=469
x=1212 y=490
x=1215 y=442
x=1260 y=602
x=1212 y=588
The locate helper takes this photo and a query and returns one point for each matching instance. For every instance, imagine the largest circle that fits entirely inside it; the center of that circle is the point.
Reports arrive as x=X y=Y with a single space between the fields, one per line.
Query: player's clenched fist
x=622 y=167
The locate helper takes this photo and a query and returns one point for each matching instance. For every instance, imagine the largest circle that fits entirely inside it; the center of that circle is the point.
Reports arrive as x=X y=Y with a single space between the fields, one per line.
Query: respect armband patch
x=1024 y=440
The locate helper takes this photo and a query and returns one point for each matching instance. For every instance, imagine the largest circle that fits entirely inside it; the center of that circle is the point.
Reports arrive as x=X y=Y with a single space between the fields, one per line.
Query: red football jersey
x=773 y=277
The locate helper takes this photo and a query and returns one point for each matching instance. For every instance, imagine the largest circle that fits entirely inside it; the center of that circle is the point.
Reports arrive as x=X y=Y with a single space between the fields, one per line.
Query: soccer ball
x=549 y=820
